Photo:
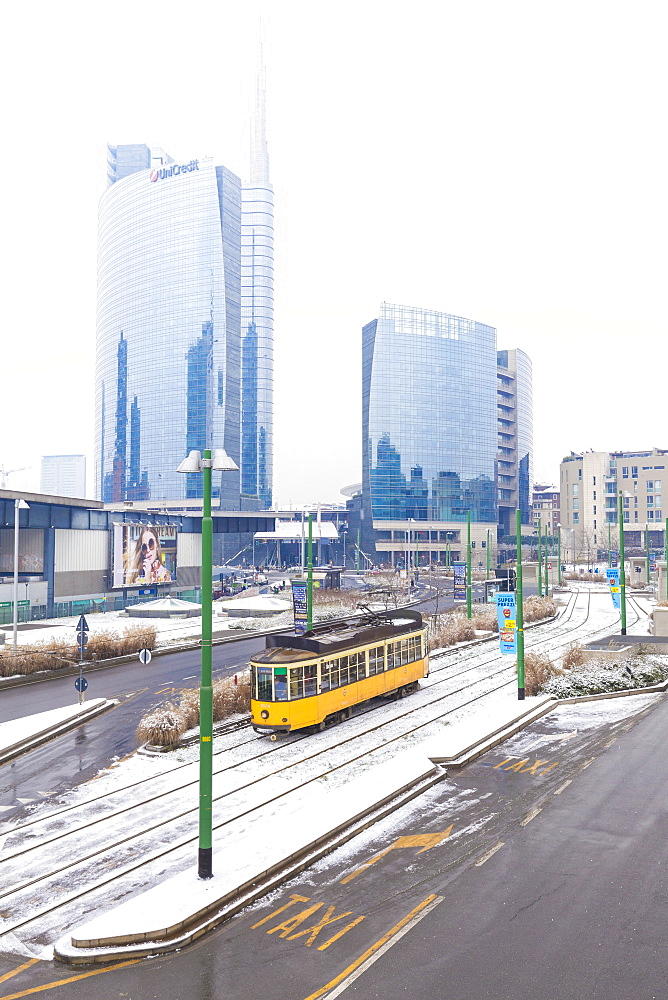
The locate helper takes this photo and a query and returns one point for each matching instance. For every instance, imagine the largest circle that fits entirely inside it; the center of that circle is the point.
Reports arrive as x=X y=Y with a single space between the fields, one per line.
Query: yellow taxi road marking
x=423 y=840
x=72 y=979
x=163 y=690
x=561 y=788
x=520 y=768
x=481 y=860
x=20 y=968
x=530 y=816
x=373 y=953
x=288 y=928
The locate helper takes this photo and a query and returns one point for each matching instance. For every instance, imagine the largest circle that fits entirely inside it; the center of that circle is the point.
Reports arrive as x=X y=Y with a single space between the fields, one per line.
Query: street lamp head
x=21 y=505
x=221 y=461
x=193 y=463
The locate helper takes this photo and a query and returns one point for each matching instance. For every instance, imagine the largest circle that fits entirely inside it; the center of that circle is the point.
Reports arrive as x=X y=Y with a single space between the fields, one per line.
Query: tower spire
x=259 y=159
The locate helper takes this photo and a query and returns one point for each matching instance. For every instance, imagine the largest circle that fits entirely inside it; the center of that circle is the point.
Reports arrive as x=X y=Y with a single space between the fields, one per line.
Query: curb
x=36 y=739
x=186 y=931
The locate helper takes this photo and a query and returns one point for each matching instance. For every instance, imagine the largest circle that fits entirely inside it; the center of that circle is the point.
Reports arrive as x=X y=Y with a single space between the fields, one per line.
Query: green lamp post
x=207 y=463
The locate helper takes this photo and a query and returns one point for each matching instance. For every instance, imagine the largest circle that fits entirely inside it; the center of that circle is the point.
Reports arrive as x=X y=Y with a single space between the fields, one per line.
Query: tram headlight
x=264 y=714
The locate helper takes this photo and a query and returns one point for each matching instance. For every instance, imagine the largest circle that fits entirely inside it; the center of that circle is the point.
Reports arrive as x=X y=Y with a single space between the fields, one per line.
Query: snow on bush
x=573 y=657
x=538 y=669
x=599 y=676
x=162 y=728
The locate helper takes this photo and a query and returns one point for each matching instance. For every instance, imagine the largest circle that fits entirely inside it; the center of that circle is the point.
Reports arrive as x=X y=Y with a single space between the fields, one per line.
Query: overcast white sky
x=502 y=161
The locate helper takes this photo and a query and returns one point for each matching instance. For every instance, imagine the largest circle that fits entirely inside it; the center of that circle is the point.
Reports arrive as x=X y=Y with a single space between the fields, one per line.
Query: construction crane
x=8 y=472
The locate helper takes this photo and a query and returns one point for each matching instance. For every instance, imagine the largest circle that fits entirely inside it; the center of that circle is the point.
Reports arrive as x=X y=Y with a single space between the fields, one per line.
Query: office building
x=590 y=484
x=63 y=475
x=185 y=324
x=433 y=417
x=545 y=508
x=515 y=437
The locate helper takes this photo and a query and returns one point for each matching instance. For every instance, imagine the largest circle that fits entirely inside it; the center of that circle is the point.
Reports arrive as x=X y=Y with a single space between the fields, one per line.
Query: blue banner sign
x=612 y=573
x=506 y=615
x=459 y=581
x=300 y=606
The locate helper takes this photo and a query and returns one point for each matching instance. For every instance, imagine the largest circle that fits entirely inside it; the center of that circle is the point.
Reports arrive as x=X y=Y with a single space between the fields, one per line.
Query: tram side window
x=329 y=675
x=296 y=682
x=376 y=661
x=392 y=659
x=264 y=687
x=344 y=670
x=310 y=675
x=357 y=667
x=281 y=683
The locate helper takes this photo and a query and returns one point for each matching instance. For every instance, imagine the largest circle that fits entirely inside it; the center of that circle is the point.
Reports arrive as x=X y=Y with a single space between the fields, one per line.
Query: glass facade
x=185 y=324
x=168 y=374
x=429 y=417
x=257 y=311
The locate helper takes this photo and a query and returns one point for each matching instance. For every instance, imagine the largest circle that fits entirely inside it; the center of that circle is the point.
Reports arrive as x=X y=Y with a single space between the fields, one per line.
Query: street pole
x=16 y=572
x=609 y=549
x=489 y=554
x=647 y=553
x=309 y=577
x=559 y=552
x=665 y=542
x=622 y=571
x=468 y=564
x=547 y=575
x=357 y=553
x=205 y=866
x=540 y=561
x=519 y=610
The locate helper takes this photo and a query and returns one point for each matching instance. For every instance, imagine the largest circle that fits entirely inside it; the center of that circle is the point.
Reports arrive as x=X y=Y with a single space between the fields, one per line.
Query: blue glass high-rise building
x=185 y=324
x=430 y=433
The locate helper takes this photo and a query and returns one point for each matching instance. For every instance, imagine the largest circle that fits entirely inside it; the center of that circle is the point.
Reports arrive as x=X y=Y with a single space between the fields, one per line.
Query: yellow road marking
x=422 y=840
x=562 y=787
x=72 y=979
x=20 y=968
x=530 y=816
x=369 y=952
x=479 y=862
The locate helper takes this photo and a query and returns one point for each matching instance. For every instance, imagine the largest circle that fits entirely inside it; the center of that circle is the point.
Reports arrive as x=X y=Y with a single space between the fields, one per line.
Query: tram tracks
x=36 y=894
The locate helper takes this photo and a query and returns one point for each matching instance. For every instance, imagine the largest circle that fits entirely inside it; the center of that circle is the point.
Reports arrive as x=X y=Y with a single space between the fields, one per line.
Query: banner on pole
x=300 y=606
x=459 y=581
x=612 y=573
x=506 y=615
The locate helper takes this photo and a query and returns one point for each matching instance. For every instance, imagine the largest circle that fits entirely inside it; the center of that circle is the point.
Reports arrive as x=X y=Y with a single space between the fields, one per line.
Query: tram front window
x=264 y=691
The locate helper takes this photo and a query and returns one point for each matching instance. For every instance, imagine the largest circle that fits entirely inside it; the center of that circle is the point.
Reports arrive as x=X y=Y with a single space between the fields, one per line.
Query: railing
x=97 y=605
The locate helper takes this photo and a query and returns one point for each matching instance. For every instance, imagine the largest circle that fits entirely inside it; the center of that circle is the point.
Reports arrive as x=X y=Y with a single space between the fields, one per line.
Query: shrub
x=573 y=657
x=55 y=653
x=230 y=698
x=599 y=676
x=538 y=668
x=162 y=728
x=189 y=707
x=537 y=608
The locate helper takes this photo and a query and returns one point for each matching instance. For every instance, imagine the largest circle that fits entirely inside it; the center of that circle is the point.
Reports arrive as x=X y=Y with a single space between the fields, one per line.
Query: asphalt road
x=79 y=754
x=538 y=871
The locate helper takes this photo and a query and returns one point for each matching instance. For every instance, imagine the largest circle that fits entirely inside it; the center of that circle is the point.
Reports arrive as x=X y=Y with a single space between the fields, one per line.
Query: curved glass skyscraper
x=430 y=432
x=185 y=324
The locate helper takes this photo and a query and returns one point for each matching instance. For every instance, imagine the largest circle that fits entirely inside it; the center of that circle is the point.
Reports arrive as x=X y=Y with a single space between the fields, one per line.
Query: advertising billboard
x=506 y=613
x=612 y=573
x=300 y=606
x=459 y=581
x=144 y=555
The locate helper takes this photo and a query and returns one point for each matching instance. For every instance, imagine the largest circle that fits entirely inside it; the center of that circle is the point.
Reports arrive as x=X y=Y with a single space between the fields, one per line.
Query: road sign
x=82 y=639
x=81 y=684
x=82 y=625
x=144 y=656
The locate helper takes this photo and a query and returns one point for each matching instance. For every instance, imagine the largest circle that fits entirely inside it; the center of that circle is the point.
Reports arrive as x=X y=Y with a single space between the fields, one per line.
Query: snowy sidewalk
x=23 y=734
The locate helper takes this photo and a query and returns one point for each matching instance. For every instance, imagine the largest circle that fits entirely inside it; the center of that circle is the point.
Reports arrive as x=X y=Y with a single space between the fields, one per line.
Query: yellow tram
x=315 y=679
